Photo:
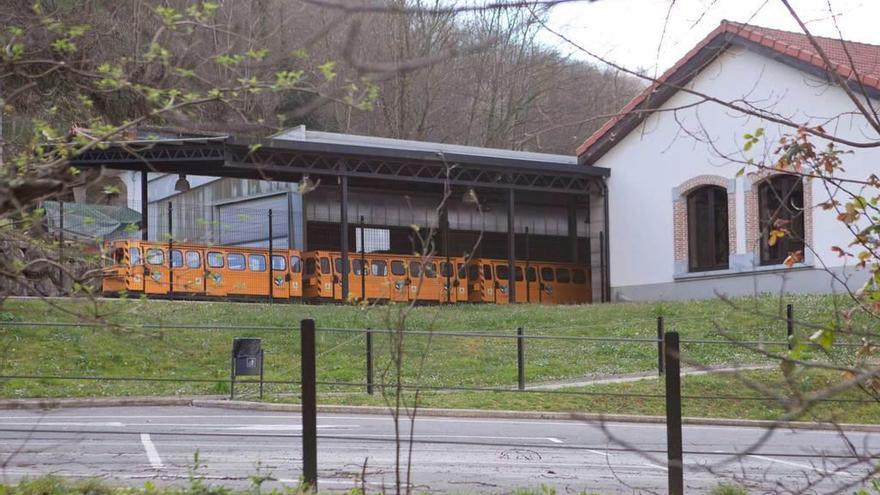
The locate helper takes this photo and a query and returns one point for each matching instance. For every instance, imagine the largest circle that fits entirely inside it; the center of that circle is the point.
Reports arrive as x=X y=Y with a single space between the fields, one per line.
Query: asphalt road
x=134 y=444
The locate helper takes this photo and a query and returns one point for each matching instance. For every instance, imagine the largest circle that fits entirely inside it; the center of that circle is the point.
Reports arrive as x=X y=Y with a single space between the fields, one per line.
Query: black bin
x=247 y=354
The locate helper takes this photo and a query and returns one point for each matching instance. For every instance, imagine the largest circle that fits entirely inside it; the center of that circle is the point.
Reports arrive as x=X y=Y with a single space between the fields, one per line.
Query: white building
x=683 y=224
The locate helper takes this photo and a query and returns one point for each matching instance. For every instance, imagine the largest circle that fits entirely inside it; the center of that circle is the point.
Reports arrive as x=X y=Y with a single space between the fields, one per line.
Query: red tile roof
x=865 y=60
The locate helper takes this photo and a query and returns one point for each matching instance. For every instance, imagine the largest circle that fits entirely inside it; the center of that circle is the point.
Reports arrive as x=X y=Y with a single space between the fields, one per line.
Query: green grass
x=718 y=388
x=53 y=485
x=123 y=348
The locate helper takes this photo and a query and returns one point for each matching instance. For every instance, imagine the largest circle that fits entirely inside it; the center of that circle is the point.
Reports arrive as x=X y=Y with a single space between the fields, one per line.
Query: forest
x=419 y=69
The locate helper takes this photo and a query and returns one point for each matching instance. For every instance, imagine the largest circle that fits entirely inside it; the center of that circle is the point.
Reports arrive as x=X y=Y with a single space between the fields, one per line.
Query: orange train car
x=141 y=267
x=384 y=277
x=536 y=282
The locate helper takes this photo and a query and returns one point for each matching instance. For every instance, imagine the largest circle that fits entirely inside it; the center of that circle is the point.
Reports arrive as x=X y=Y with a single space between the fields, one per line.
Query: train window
x=431 y=270
x=519 y=274
x=445 y=269
x=310 y=266
x=379 y=268
x=462 y=272
x=325 y=265
x=193 y=259
x=337 y=265
x=562 y=275
x=215 y=259
x=531 y=274
x=134 y=256
x=487 y=272
x=473 y=272
x=398 y=268
x=279 y=263
x=501 y=272
x=415 y=269
x=176 y=258
x=579 y=276
x=118 y=256
x=257 y=263
x=547 y=274
x=155 y=256
x=295 y=266
x=235 y=261
x=357 y=266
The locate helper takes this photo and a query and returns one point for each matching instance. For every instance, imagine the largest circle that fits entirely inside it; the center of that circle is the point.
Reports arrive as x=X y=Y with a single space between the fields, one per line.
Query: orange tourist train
x=200 y=271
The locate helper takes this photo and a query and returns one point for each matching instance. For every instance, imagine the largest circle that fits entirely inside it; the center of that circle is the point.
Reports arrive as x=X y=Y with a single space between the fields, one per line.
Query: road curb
x=218 y=402
x=97 y=402
x=559 y=416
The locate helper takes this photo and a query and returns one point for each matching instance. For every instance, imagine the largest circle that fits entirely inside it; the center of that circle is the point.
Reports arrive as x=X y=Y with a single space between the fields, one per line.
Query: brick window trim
x=753 y=224
x=680 y=220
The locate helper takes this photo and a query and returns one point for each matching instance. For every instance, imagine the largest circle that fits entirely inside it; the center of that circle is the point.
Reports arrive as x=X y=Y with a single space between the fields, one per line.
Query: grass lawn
x=125 y=349
x=701 y=397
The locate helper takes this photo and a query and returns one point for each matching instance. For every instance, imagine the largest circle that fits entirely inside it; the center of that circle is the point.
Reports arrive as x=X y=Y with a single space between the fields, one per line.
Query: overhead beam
x=225 y=160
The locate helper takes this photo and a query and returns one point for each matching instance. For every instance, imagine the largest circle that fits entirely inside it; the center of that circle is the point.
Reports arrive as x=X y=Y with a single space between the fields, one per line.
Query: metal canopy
x=274 y=159
x=358 y=161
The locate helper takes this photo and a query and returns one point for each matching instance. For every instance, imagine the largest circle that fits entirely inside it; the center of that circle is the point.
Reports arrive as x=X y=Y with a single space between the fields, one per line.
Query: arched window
x=708 y=242
x=781 y=208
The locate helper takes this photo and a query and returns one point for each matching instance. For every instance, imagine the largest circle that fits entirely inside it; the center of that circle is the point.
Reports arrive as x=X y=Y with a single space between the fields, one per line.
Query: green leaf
x=327 y=70
x=824 y=338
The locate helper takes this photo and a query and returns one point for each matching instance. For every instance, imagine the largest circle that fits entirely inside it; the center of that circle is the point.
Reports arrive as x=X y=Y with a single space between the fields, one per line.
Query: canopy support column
x=145 y=202
x=343 y=235
x=511 y=248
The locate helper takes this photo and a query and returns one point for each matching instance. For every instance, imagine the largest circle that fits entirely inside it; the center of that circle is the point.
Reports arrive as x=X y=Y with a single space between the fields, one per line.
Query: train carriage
x=141 y=267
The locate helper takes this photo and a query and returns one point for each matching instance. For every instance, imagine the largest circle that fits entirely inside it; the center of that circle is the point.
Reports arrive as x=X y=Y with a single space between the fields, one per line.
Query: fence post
x=170 y=253
x=271 y=271
x=675 y=462
x=660 y=333
x=309 y=406
x=789 y=320
x=60 y=247
x=520 y=359
x=369 y=361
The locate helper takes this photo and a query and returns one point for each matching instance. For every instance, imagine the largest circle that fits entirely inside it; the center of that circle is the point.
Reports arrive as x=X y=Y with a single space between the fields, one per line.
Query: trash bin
x=247 y=360
x=248 y=355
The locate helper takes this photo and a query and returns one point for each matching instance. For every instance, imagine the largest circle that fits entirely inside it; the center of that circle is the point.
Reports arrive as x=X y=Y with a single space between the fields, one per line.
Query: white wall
x=670 y=147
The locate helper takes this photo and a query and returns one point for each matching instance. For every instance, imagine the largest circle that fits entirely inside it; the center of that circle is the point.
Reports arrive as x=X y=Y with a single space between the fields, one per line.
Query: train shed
x=488 y=203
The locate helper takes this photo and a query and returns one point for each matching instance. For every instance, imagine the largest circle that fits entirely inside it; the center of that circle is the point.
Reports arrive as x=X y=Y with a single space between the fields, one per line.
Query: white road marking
x=65 y=423
x=278 y=427
x=152 y=453
x=434 y=419
x=598 y=452
x=656 y=466
x=802 y=466
x=225 y=426
x=419 y=436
